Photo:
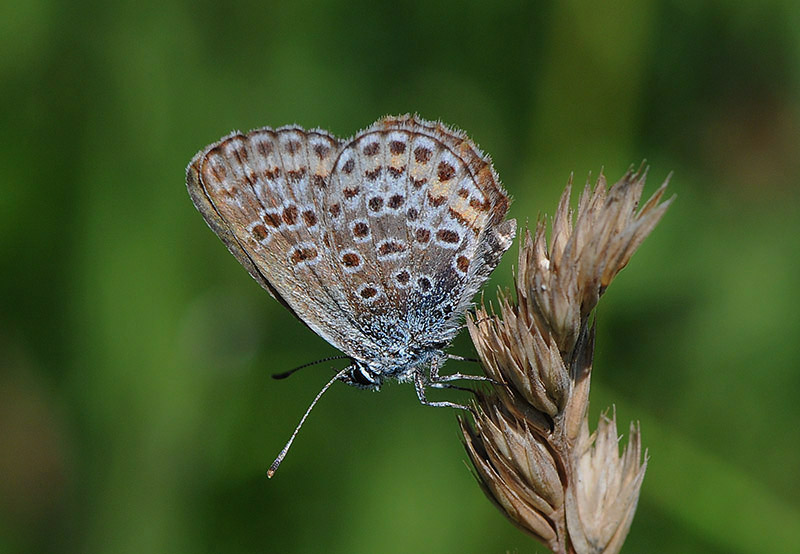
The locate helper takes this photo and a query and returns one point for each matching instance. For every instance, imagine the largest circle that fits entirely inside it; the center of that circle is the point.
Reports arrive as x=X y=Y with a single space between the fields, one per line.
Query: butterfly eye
x=363 y=377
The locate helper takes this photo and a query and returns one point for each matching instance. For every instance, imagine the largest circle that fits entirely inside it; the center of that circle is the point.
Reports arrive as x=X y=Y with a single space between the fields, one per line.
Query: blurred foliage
x=136 y=409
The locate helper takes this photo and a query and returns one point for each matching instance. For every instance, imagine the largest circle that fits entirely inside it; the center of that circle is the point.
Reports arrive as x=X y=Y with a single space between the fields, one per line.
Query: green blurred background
x=137 y=412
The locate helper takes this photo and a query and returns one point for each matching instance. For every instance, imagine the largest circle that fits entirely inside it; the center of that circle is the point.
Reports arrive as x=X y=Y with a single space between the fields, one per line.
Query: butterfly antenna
x=285 y=374
x=274 y=467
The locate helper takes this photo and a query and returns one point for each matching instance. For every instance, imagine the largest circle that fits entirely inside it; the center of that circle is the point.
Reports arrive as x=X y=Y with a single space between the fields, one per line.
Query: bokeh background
x=137 y=412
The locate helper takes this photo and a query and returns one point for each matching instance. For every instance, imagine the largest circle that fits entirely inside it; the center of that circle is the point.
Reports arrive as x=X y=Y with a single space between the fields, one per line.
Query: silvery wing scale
x=377 y=243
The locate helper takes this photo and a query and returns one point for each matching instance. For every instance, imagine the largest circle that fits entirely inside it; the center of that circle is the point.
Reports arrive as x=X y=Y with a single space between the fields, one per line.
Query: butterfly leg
x=451 y=387
x=462 y=358
x=438 y=380
x=419 y=385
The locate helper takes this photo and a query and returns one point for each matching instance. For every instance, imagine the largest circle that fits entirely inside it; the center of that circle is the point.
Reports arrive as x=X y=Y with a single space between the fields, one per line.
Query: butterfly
x=377 y=243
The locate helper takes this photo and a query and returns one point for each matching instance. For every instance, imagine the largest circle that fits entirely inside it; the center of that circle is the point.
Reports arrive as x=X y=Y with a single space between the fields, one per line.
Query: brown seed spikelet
x=530 y=441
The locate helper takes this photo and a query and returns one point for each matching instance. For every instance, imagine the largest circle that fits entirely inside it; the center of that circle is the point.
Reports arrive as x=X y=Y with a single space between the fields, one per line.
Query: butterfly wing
x=416 y=215
x=256 y=192
x=378 y=245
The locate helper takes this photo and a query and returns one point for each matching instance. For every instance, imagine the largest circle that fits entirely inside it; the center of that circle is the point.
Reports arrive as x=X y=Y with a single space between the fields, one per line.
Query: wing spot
x=422 y=154
x=272 y=219
x=319 y=181
x=412 y=214
x=436 y=201
x=259 y=232
x=397 y=147
x=480 y=206
x=360 y=229
x=448 y=236
x=310 y=218
x=334 y=210
x=418 y=183
x=402 y=277
x=376 y=203
x=368 y=292
x=372 y=148
x=295 y=175
x=350 y=193
x=374 y=174
x=395 y=201
x=422 y=235
x=303 y=254
x=289 y=215
x=396 y=172
x=462 y=264
x=348 y=166
x=445 y=171
x=444 y=311
x=351 y=260
x=389 y=247
x=458 y=217
x=424 y=284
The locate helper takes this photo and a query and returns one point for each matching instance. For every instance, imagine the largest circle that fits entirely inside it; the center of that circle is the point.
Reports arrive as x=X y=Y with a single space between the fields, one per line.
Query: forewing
x=256 y=191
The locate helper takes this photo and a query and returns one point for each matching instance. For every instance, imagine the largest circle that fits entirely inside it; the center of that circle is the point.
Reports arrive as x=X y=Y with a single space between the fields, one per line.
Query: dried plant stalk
x=530 y=442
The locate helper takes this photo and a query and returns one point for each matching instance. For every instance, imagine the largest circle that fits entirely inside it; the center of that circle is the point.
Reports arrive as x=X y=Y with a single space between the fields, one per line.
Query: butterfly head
x=400 y=365
x=361 y=376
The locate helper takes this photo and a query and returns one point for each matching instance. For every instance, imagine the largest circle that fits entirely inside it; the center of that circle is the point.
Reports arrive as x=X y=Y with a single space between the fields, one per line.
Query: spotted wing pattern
x=255 y=191
x=378 y=244
x=418 y=228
